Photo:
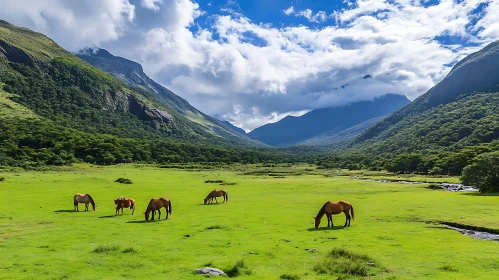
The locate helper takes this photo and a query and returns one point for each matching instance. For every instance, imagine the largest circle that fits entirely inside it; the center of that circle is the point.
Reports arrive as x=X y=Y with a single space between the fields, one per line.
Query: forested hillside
x=57 y=109
x=442 y=131
x=132 y=73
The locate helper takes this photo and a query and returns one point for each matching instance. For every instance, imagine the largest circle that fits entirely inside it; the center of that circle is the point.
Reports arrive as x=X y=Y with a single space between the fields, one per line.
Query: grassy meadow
x=264 y=232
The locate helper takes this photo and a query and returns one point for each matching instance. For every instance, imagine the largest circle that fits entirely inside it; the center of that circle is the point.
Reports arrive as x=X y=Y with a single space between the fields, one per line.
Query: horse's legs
x=86 y=206
x=348 y=218
x=216 y=199
x=159 y=214
x=331 y=218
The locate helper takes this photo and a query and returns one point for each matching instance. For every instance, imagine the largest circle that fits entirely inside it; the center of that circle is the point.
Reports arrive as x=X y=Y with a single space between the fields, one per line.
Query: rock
x=210 y=271
x=252 y=253
x=313 y=250
x=370 y=263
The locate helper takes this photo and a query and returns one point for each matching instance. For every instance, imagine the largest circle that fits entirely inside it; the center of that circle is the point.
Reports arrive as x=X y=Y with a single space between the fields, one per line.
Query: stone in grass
x=313 y=250
x=210 y=271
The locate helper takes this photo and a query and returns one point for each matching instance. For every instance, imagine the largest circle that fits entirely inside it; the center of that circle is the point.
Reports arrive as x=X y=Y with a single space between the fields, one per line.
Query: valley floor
x=267 y=224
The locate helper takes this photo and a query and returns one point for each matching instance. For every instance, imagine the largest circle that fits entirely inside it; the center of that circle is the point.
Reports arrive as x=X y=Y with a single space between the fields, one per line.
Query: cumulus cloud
x=151 y=4
x=75 y=24
x=320 y=16
x=253 y=73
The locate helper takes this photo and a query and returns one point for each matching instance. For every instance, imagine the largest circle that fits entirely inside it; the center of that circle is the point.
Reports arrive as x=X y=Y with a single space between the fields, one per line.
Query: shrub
x=2 y=179
x=483 y=174
x=289 y=277
x=123 y=181
x=106 y=248
x=343 y=262
x=237 y=269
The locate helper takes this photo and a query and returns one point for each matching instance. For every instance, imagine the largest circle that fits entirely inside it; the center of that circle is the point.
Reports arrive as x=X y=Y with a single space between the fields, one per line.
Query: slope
x=132 y=73
x=293 y=130
x=336 y=138
x=459 y=111
x=478 y=72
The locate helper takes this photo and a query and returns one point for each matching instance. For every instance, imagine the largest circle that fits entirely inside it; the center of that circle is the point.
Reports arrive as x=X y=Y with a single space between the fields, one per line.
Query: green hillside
x=57 y=109
x=443 y=130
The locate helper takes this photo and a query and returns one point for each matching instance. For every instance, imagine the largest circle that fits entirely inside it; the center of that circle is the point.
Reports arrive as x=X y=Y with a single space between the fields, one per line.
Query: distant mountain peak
x=235 y=128
x=332 y=120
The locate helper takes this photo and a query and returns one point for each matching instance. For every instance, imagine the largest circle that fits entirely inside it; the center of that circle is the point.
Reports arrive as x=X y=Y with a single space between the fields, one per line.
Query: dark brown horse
x=215 y=194
x=157 y=204
x=83 y=198
x=123 y=202
x=332 y=208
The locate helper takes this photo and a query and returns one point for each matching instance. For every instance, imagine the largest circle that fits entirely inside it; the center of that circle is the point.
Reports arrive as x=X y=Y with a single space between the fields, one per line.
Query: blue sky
x=254 y=62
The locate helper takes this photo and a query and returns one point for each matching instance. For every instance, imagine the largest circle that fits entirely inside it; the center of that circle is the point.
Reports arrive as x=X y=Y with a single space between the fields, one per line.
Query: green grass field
x=266 y=227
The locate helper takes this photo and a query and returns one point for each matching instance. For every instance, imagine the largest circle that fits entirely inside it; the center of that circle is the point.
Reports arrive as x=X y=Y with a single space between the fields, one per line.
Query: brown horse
x=157 y=204
x=332 y=208
x=83 y=198
x=215 y=194
x=123 y=202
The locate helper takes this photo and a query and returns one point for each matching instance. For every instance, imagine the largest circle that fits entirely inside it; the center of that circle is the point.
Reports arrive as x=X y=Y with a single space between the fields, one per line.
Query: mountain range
x=461 y=110
x=328 y=126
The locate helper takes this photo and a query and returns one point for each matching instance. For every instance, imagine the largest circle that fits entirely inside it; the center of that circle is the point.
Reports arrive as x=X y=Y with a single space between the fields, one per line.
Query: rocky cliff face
x=121 y=102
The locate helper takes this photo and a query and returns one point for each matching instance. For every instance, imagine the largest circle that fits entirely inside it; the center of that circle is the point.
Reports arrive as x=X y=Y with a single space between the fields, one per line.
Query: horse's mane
x=91 y=199
x=321 y=212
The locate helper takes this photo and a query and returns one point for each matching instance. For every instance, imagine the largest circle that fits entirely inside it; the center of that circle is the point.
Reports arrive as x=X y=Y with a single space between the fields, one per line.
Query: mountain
x=57 y=109
x=461 y=110
x=235 y=128
x=132 y=73
x=327 y=121
x=336 y=138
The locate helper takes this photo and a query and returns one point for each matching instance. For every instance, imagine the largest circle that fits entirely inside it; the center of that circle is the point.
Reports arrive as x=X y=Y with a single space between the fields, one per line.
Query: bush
x=290 y=277
x=2 y=179
x=237 y=269
x=343 y=262
x=106 y=248
x=123 y=181
x=483 y=174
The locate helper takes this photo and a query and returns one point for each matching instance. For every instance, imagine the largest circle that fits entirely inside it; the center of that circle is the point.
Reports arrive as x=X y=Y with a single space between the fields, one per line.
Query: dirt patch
x=123 y=181
x=214 y=181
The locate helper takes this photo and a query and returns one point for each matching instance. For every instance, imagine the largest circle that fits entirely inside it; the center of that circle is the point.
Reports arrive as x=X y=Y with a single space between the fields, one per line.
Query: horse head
x=146 y=215
x=205 y=200
x=317 y=222
x=94 y=206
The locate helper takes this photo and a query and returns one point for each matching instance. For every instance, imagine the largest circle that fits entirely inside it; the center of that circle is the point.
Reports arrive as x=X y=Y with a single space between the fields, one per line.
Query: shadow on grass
x=109 y=216
x=66 y=211
x=326 y=228
x=144 y=222
x=211 y=204
x=480 y=194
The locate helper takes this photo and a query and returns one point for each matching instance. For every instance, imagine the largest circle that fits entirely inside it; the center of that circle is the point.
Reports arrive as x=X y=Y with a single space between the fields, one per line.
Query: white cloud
x=75 y=24
x=253 y=73
x=289 y=11
x=151 y=4
x=320 y=16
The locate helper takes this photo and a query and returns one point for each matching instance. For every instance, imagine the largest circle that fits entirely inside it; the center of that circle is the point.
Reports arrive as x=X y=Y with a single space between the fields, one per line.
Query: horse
x=332 y=208
x=215 y=194
x=123 y=202
x=83 y=198
x=157 y=204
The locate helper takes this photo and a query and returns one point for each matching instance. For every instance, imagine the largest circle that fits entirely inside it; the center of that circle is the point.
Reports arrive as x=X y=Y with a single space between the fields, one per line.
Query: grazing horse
x=157 y=204
x=332 y=208
x=215 y=194
x=83 y=198
x=123 y=202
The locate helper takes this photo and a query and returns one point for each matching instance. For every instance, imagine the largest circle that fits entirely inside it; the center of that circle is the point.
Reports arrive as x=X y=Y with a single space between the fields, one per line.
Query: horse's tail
x=227 y=196
x=75 y=202
x=351 y=209
x=170 y=206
